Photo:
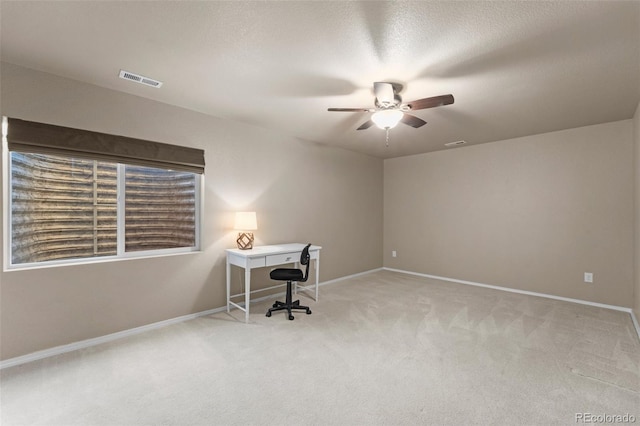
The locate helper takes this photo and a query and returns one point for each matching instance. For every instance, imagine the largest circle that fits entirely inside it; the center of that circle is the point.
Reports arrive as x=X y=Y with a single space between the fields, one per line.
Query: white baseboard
x=530 y=293
x=57 y=350
x=635 y=323
x=46 y=353
x=359 y=274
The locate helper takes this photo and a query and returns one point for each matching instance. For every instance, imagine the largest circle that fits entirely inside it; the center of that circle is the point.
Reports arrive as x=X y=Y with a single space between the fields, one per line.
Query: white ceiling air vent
x=456 y=143
x=140 y=79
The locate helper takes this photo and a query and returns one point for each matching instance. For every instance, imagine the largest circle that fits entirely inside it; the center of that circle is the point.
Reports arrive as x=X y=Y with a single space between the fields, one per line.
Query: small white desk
x=263 y=256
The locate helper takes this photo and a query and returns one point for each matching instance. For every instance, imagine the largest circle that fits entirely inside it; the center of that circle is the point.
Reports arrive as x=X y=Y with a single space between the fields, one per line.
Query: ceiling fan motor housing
x=397 y=101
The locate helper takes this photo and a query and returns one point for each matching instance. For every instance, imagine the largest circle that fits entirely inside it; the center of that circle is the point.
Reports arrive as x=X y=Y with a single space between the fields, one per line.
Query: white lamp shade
x=246 y=221
x=387 y=118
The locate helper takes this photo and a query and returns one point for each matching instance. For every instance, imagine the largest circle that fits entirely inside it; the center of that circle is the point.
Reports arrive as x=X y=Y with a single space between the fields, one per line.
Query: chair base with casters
x=289 y=275
x=288 y=305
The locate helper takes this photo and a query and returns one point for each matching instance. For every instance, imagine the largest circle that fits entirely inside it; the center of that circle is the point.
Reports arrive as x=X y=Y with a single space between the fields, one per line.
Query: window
x=64 y=206
x=160 y=209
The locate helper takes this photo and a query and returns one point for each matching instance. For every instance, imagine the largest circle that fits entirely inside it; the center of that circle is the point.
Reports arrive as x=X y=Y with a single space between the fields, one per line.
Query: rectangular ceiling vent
x=140 y=79
x=456 y=143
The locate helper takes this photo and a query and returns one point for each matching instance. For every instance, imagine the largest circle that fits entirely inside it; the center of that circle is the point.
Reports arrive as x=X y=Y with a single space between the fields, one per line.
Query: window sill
x=90 y=261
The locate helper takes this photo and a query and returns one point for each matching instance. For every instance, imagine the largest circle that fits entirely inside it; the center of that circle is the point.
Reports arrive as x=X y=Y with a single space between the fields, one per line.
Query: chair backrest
x=305 y=260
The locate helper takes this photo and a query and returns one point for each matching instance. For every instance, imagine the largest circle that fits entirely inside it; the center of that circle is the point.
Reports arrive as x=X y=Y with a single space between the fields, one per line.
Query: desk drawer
x=245 y=262
x=279 y=259
x=256 y=262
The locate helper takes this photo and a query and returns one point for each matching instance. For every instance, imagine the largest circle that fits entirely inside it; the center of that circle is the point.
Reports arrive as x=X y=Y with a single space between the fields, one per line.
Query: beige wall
x=301 y=191
x=532 y=213
x=636 y=139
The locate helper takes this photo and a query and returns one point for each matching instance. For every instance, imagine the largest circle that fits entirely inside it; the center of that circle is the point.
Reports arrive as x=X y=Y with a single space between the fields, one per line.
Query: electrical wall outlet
x=588 y=277
x=394 y=253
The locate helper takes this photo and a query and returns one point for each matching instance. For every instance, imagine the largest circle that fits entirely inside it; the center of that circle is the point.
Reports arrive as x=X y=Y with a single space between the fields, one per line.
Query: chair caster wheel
x=308 y=311
x=268 y=314
x=275 y=305
x=291 y=318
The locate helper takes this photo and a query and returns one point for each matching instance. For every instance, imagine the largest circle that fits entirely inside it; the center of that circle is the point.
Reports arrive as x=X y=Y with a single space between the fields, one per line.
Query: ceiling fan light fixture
x=387 y=118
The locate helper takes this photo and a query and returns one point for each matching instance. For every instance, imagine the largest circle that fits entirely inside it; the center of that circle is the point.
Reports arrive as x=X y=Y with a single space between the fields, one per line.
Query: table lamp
x=245 y=221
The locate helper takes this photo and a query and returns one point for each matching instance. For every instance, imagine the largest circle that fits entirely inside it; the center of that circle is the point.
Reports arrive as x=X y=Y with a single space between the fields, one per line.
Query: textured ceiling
x=515 y=68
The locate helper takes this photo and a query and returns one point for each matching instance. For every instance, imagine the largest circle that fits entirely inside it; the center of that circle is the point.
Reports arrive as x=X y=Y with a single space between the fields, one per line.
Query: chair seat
x=286 y=274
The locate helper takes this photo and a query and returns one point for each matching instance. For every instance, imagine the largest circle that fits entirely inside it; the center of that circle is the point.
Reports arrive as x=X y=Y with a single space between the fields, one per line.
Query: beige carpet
x=384 y=348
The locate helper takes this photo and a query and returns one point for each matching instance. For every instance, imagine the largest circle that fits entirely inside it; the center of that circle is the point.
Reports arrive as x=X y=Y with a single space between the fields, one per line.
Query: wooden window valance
x=29 y=136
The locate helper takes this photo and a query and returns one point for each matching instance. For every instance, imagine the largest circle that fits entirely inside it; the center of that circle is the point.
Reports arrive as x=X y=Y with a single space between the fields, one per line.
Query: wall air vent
x=140 y=79
x=456 y=143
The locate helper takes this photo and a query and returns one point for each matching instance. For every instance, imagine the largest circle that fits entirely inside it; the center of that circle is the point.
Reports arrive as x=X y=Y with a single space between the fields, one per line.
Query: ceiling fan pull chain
x=387 y=137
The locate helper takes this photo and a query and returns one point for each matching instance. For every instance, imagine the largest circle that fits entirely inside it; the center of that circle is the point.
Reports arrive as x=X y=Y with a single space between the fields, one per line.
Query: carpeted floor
x=380 y=349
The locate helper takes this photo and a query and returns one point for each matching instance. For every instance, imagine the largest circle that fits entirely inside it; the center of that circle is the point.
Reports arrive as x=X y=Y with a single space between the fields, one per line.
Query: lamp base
x=245 y=240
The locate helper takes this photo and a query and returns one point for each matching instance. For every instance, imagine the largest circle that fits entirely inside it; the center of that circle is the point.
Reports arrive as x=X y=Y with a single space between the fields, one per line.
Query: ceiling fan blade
x=383 y=92
x=435 y=101
x=349 y=109
x=412 y=120
x=365 y=125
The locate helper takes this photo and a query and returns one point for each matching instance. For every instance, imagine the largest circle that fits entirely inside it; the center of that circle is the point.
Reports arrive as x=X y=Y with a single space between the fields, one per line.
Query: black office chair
x=289 y=275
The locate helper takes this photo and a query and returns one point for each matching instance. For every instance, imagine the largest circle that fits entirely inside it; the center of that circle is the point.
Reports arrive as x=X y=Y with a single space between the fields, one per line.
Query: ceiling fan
x=389 y=109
